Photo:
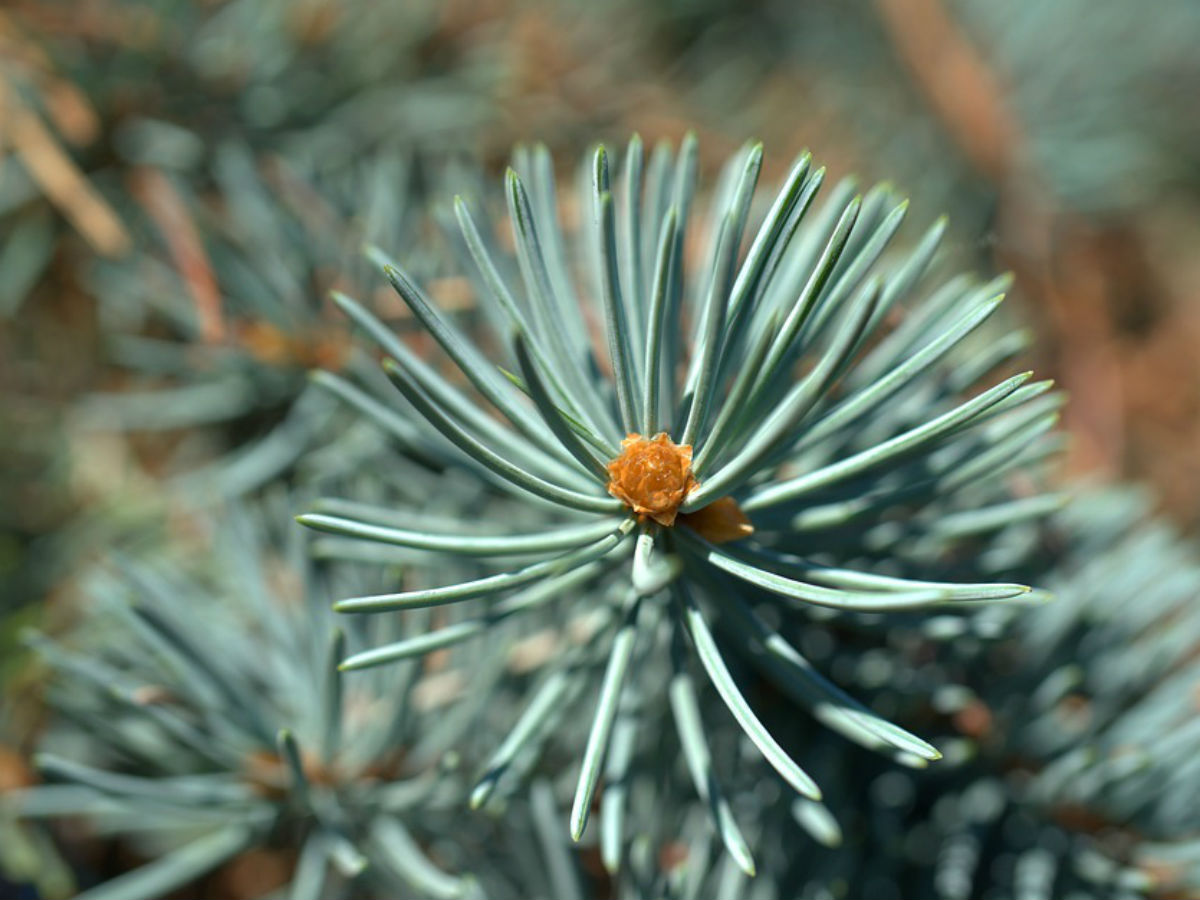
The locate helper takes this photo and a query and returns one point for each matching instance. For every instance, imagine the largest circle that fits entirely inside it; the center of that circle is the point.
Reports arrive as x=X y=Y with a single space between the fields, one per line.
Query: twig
x=60 y=179
x=164 y=205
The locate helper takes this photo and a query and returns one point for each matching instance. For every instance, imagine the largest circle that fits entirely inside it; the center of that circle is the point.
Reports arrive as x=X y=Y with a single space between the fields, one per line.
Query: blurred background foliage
x=182 y=182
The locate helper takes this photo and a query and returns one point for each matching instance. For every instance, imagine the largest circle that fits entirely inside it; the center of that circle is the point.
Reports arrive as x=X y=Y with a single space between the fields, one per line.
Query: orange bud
x=652 y=475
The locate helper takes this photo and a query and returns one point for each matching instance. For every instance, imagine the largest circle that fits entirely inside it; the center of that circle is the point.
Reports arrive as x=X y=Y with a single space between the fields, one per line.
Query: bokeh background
x=164 y=164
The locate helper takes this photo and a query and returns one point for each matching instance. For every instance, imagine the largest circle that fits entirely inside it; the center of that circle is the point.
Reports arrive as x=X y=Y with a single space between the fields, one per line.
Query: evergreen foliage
x=716 y=516
x=815 y=410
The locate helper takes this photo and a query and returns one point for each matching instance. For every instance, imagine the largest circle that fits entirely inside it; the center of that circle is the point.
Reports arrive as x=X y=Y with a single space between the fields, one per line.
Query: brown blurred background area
x=1061 y=138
